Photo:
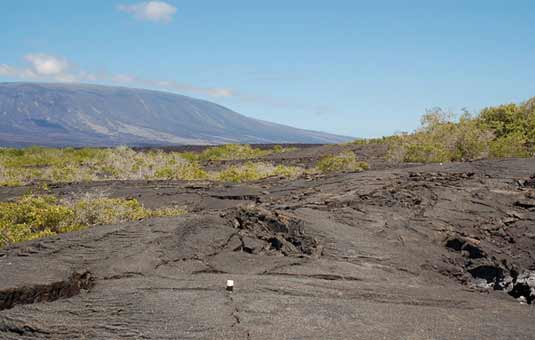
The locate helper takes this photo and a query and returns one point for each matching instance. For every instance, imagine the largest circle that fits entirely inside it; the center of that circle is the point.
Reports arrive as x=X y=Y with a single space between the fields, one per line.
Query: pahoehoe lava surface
x=423 y=252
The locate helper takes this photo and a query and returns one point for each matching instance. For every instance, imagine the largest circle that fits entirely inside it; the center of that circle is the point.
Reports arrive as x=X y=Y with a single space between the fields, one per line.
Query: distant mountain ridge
x=94 y=115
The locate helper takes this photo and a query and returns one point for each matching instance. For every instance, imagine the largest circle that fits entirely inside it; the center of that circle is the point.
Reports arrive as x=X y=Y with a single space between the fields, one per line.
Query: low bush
x=33 y=217
x=511 y=145
x=234 y=152
x=442 y=140
x=255 y=171
x=345 y=161
x=368 y=141
x=231 y=152
x=22 y=166
x=504 y=131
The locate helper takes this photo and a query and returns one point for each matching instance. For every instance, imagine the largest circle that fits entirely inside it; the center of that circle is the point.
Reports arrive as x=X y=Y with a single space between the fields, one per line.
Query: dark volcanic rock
x=67 y=288
x=469 y=248
x=385 y=254
x=280 y=232
x=524 y=287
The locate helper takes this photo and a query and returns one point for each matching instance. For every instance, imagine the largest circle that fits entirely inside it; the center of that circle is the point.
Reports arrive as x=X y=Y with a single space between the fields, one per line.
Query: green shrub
x=345 y=161
x=511 y=145
x=255 y=171
x=281 y=149
x=32 y=217
x=234 y=152
x=278 y=149
x=443 y=139
x=368 y=141
x=504 y=119
x=231 y=152
x=188 y=171
x=22 y=166
x=418 y=148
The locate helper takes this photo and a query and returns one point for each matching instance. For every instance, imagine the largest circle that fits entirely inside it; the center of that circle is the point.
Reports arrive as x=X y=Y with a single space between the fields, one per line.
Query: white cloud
x=43 y=66
x=14 y=72
x=157 y=11
x=7 y=71
x=47 y=65
x=52 y=68
x=170 y=85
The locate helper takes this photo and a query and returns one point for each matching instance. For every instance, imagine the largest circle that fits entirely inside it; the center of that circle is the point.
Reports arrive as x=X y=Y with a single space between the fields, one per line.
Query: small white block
x=230 y=285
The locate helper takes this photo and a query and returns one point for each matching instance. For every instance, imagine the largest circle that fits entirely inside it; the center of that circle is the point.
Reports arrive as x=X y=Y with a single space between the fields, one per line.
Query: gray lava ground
x=421 y=252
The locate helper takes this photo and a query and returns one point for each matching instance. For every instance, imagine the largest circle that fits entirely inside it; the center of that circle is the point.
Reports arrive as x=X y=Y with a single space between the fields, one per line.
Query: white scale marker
x=230 y=285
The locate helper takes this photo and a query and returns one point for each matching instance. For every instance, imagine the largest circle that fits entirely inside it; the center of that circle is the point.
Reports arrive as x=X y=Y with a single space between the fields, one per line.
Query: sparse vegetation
x=32 y=217
x=23 y=166
x=367 y=141
x=251 y=171
x=345 y=161
x=497 y=132
x=234 y=152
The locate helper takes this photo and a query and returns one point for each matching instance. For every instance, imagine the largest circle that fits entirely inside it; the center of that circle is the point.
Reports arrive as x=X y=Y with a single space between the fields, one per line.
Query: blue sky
x=359 y=68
